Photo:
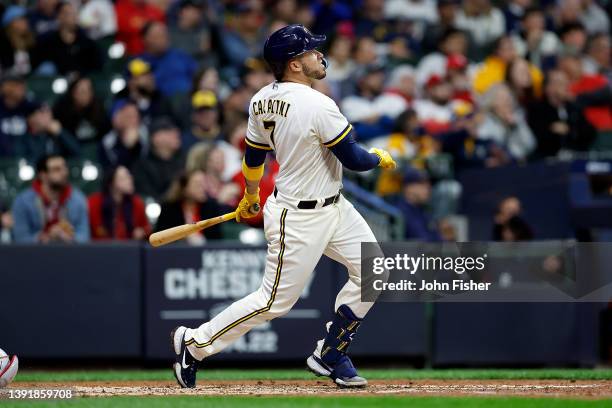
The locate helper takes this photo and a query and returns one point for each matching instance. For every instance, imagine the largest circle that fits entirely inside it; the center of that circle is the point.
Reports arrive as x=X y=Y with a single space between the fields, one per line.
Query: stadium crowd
x=481 y=83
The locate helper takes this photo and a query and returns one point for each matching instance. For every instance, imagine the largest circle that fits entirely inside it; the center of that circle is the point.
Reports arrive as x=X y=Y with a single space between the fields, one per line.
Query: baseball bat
x=181 y=231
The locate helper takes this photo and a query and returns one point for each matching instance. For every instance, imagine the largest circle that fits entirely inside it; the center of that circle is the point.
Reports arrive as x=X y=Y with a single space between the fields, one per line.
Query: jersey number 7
x=270 y=124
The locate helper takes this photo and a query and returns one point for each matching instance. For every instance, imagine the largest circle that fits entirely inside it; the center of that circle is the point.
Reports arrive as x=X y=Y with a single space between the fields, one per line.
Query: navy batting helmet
x=287 y=43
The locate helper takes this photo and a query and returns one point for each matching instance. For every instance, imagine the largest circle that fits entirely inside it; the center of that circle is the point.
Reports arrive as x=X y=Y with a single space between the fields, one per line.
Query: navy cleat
x=330 y=359
x=186 y=366
x=343 y=373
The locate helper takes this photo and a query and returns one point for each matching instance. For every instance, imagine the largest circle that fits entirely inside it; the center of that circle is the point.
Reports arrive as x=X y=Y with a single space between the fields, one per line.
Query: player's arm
x=252 y=169
x=354 y=157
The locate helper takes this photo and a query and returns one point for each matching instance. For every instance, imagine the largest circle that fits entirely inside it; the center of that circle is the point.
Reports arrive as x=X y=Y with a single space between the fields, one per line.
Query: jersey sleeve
x=330 y=125
x=254 y=138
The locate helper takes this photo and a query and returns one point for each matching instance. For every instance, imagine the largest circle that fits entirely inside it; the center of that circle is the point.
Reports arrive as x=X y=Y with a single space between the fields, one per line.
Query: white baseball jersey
x=299 y=124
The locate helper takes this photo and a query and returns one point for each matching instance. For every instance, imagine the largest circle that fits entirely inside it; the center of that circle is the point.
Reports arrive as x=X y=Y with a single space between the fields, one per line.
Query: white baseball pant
x=296 y=240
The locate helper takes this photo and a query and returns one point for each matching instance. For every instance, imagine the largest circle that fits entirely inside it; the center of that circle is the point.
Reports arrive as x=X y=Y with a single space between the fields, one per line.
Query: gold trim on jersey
x=339 y=138
x=264 y=309
x=261 y=146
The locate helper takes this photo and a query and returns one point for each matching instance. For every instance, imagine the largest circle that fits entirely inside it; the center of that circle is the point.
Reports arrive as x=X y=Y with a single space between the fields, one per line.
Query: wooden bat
x=179 y=232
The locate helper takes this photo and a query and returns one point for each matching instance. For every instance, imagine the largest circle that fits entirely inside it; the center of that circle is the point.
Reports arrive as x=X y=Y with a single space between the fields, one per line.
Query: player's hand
x=246 y=207
x=386 y=161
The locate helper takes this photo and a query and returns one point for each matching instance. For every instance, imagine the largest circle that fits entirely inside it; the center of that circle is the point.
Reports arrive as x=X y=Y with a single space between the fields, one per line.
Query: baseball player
x=304 y=218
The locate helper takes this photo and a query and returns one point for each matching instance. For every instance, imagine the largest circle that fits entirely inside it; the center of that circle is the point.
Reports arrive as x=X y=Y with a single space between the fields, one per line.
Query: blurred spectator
x=364 y=52
x=597 y=59
x=596 y=110
x=370 y=20
x=187 y=202
x=513 y=14
x=46 y=136
x=16 y=42
x=82 y=114
x=284 y=10
x=191 y=34
x=68 y=48
x=484 y=22
x=573 y=36
x=520 y=82
x=141 y=88
x=205 y=124
x=493 y=69
x=245 y=34
x=154 y=172
x=509 y=224
x=6 y=224
x=467 y=150
x=368 y=113
x=42 y=16
x=403 y=144
x=505 y=123
x=235 y=103
x=98 y=19
x=207 y=79
x=127 y=141
x=14 y=110
x=132 y=15
x=400 y=90
x=255 y=74
x=435 y=109
x=51 y=210
x=459 y=79
x=210 y=158
x=116 y=212
x=328 y=14
x=452 y=42
x=172 y=68
x=556 y=121
x=415 y=196
x=434 y=31
x=532 y=41
x=594 y=17
x=341 y=65
x=416 y=11
x=233 y=148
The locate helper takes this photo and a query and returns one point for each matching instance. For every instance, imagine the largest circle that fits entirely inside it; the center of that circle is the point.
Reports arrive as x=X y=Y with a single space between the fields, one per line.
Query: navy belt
x=312 y=204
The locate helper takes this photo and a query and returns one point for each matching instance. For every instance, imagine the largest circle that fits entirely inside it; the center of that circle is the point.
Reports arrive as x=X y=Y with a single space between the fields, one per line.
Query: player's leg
x=295 y=244
x=330 y=358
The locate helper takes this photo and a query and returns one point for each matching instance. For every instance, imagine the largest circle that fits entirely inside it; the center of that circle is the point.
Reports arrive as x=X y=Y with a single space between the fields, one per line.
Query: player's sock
x=340 y=335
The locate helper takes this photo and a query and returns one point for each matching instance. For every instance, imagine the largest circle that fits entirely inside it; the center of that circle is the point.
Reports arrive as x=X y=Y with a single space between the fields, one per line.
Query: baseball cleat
x=185 y=367
x=343 y=373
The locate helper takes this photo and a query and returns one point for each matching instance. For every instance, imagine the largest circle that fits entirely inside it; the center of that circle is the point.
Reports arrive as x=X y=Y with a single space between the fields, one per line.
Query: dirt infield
x=525 y=388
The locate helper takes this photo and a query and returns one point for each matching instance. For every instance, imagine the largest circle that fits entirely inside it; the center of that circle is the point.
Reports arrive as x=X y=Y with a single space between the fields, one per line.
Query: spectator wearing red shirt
x=116 y=212
x=599 y=115
x=132 y=15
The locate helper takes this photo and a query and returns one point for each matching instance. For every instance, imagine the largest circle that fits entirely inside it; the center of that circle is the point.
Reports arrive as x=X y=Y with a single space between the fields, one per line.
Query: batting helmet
x=287 y=43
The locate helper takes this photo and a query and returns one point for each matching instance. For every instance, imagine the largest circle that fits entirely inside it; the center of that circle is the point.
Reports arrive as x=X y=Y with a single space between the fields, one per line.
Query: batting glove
x=386 y=161
x=245 y=207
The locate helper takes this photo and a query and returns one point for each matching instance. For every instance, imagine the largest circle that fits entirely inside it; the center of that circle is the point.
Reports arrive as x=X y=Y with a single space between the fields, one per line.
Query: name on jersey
x=271 y=106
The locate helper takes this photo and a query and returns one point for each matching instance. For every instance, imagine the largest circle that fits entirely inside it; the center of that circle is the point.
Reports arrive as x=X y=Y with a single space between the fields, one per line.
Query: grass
x=297 y=402
x=300 y=374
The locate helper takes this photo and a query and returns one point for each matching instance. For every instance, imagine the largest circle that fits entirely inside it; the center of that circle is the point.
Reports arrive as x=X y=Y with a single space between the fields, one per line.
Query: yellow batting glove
x=246 y=208
x=386 y=161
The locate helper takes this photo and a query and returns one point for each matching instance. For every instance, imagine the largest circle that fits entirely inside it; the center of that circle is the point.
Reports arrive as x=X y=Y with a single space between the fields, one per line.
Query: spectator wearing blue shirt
x=45 y=136
x=172 y=68
x=244 y=37
x=416 y=193
x=51 y=210
x=14 y=111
